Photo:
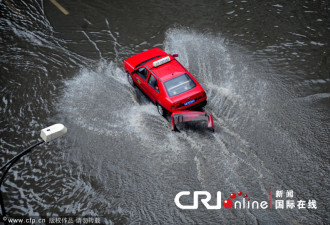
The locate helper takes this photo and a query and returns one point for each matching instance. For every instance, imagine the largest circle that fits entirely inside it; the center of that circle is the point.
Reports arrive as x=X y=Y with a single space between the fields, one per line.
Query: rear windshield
x=179 y=85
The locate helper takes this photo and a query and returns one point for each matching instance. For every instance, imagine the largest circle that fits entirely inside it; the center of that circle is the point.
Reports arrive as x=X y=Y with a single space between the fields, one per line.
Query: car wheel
x=161 y=110
x=130 y=80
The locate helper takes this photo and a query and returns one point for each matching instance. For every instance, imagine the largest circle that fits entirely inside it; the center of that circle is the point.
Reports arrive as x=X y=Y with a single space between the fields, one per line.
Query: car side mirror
x=175 y=55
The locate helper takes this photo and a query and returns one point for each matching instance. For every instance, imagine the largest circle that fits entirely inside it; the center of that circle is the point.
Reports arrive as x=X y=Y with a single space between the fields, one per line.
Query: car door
x=141 y=77
x=152 y=88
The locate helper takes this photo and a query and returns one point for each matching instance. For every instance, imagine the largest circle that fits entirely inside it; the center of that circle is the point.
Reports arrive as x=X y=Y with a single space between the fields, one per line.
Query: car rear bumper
x=193 y=107
x=197 y=106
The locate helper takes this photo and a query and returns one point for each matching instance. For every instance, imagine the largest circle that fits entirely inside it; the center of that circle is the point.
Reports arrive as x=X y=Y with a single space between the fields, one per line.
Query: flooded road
x=264 y=66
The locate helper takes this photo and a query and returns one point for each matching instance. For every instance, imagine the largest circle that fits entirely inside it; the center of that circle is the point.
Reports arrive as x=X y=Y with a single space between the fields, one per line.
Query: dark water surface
x=264 y=65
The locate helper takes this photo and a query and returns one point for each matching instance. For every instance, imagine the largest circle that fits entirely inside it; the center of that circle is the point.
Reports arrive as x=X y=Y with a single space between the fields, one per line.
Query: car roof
x=166 y=71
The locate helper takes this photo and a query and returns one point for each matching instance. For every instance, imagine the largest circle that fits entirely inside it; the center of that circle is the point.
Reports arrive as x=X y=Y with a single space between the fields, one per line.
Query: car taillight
x=175 y=105
x=201 y=96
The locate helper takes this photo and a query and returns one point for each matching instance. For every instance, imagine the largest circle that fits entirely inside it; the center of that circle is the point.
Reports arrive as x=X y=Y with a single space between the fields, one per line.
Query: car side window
x=153 y=83
x=143 y=72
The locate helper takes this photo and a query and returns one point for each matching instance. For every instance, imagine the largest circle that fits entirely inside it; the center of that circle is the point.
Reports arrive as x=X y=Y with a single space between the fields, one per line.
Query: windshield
x=179 y=85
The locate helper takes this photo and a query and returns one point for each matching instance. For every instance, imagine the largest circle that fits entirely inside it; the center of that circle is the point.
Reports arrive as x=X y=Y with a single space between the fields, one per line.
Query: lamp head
x=50 y=133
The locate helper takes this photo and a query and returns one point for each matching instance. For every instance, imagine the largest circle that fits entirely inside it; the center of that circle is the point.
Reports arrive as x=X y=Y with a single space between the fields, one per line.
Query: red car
x=167 y=83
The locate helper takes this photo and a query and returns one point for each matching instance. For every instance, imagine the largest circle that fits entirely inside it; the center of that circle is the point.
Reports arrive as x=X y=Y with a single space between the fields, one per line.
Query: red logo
x=228 y=203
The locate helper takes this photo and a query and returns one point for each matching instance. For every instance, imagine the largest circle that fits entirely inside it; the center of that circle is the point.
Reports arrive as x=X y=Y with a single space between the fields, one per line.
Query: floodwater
x=265 y=68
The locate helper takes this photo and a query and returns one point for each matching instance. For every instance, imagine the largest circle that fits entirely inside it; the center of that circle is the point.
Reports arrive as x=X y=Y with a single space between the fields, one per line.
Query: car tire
x=130 y=80
x=161 y=110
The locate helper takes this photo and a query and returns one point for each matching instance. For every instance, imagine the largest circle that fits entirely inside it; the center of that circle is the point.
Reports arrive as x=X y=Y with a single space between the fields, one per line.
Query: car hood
x=143 y=56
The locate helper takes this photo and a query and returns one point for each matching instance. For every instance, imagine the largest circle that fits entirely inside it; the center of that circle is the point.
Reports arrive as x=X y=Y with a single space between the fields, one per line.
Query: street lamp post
x=47 y=134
